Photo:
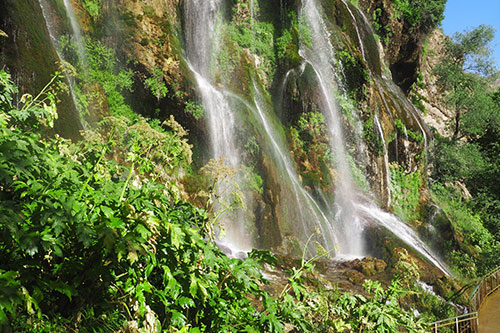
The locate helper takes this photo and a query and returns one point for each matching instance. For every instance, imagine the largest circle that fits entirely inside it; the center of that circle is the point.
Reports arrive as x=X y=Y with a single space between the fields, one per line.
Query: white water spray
x=353 y=211
x=387 y=171
x=55 y=43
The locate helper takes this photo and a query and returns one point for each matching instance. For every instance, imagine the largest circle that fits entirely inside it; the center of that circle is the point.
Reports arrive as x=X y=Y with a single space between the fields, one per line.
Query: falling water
x=76 y=32
x=387 y=171
x=400 y=230
x=310 y=216
x=321 y=56
x=360 y=40
x=51 y=29
x=201 y=16
x=299 y=206
x=352 y=210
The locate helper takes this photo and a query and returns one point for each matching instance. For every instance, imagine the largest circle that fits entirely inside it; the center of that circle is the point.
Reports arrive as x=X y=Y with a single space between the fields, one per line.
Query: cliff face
x=29 y=55
x=437 y=115
x=259 y=53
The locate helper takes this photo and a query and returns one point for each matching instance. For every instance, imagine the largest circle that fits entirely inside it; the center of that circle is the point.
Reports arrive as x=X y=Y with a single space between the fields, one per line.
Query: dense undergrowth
x=93 y=241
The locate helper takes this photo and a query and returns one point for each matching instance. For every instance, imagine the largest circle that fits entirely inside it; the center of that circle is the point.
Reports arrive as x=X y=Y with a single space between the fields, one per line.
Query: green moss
x=258 y=38
x=355 y=72
x=287 y=45
x=372 y=137
x=405 y=191
x=401 y=128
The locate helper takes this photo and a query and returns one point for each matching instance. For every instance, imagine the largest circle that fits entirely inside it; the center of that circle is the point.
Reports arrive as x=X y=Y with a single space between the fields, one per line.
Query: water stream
x=200 y=33
x=321 y=57
x=342 y=225
x=353 y=211
x=76 y=32
x=387 y=170
x=47 y=16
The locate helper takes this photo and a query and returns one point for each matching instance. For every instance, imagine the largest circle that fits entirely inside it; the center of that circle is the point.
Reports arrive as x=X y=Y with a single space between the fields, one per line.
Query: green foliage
x=461 y=74
x=194 y=109
x=255 y=36
x=222 y=193
x=357 y=76
x=85 y=247
x=287 y=45
x=424 y=13
x=7 y=91
x=100 y=84
x=284 y=43
x=381 y=29
x=304 y=32
x=476 y=242
x=455 y=161
x=253 y=179
x=380 y=312
x=93 y=237
x=156 y=84
x=372 y=137
x=471 y=156
x=310 y=146
x=155 y=152
x=401 y=128
x=405 y=191
x=93 y=8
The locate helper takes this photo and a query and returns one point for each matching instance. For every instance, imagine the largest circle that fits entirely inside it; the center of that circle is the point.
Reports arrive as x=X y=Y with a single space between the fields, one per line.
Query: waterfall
x=321 y=56
x=55 y=44
x=358 y=34
x=387 y=171
x=76 y=32
x=201 y=17
x=301 y=212
x=352 y=210
x=310 y=215
x=342 y=225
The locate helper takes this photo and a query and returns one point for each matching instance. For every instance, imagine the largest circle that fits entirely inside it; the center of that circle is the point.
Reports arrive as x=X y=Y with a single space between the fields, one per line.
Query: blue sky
x=462 y=14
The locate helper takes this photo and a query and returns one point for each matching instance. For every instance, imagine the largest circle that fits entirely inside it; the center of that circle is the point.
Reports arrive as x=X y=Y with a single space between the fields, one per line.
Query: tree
x=463 y=71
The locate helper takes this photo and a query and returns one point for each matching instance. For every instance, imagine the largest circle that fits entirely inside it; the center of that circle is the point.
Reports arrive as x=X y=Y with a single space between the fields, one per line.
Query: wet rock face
x=368 y=266
x=402 y=44
x=28 y=55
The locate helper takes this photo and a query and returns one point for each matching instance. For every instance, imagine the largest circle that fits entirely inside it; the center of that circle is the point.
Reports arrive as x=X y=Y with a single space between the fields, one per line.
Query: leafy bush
x=93 y=8
x=455 y=161
x=89 y=244
x=476 y=242
x=83 y=245
x=194 y=109
x=100 y=84
x=424 y=13
x=156 y=84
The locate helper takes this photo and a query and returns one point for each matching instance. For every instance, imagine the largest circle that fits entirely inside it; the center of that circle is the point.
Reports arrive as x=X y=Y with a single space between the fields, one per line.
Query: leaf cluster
x=84 y=248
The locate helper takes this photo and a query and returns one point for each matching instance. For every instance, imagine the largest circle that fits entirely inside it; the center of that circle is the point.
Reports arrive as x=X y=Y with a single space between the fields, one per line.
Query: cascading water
x=352 y=210
x=76 y=32
x=310 y=216
x=320 y=56
x=342 y=229
x=54 y=40
x=201 y=17
x=296 y=203
x=387 y=175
